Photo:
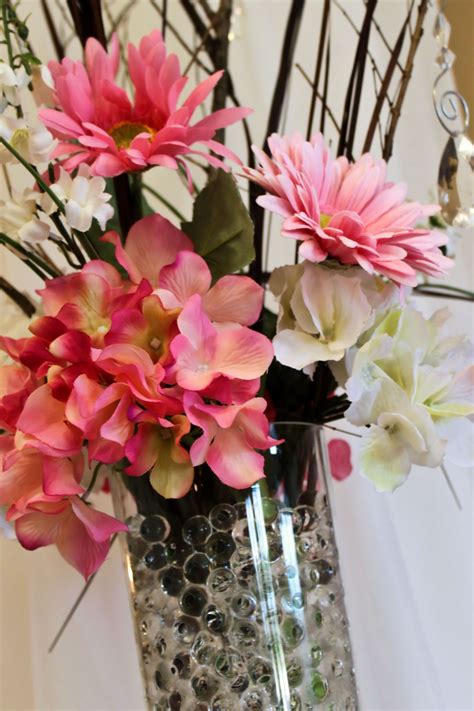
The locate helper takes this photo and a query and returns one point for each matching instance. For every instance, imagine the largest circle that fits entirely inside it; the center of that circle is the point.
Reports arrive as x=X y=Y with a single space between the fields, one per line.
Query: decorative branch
x=279 y=92
x=57 y=44
x=320 y=97
x=323 y=37
x=407 y=72
x=354 y=87
x=382 y=93
x=21 y=300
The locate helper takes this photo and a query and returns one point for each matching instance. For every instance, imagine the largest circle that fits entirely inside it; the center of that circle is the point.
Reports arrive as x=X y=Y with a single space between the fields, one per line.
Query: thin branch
x=115 y=22
x=319 y=63
x=75 y=605
x=354 y=27
x=383 y=91
x=407 y=72
x=320 y=97
x=199 y=47
x=286 y=62
x=57 y=44
x=325 y=108
x=164 y=18
x=451 y=488
x=21 y=300
x=178 y=37
x=356 y=81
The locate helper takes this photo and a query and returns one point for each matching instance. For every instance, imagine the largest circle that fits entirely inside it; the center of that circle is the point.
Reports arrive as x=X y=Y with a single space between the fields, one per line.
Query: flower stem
x=90 y=488
x=445 y=287
x=45 y=188
x=30 y=258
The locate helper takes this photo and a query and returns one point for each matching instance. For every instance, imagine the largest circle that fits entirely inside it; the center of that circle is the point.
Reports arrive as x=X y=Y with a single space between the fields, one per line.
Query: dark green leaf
x=221 y=229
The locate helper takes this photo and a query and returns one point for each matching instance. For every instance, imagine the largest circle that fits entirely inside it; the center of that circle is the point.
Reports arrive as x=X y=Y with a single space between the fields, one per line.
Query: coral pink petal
x=340 y=459
x=235 y=299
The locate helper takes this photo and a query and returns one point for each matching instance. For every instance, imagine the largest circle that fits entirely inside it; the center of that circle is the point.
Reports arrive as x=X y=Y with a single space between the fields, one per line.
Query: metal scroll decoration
x=456 y=170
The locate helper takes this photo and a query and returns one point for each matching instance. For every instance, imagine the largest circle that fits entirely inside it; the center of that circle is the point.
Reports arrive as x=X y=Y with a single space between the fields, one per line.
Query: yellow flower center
x=19 y=140
x=324 y=219
x=124 y=132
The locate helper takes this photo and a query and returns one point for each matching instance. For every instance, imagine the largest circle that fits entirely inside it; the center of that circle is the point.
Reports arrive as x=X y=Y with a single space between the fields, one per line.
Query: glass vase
x=237 y=595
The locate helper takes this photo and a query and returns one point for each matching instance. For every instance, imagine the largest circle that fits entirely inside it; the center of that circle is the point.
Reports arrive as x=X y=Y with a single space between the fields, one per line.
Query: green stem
x=71 y=244
x=85 y=496
x=87 y=245
x=45 y=188
x=31 y=256
x=6 y=32
x=165 y=202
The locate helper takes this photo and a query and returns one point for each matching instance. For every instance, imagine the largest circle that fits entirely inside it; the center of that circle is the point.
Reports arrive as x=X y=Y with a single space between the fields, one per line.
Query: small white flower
x=83 y=197
x=33 y=143
x=43 y=86
x=11 y=83
x=19 y=219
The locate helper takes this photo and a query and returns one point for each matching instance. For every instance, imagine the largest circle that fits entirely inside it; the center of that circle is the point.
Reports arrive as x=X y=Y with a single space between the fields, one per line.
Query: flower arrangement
x=151 y=353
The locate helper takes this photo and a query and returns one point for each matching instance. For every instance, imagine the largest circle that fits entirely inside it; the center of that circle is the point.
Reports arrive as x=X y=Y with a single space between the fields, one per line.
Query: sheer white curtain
x=406 y=557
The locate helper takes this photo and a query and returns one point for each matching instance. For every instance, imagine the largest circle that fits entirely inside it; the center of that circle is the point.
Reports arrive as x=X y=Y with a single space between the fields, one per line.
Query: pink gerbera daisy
x=347 y=211
x=98 y=124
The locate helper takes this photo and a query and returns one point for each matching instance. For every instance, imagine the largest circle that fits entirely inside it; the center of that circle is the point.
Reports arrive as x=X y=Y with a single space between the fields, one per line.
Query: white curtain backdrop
x=406 y=558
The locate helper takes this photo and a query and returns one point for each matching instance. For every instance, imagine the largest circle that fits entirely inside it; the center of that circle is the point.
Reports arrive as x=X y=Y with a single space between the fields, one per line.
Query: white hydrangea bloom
x=83 y=197
x=33 y=143
x=322 y=311
x=412 y=383
x=19 y=219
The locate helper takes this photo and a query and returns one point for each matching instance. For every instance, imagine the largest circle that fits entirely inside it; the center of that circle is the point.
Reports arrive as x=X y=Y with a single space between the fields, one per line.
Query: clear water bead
x=197 y=530
x=223 y=517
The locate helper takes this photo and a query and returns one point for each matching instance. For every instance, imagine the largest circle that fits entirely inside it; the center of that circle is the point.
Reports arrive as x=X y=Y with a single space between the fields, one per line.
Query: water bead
x=295 y=671
x=221 y=702
x=220 y=547
x=254 y=700
x=337 y=668
x=204 y=648
x=177 y=551
x=229 y=663
x=185 y=629
x=270 y=510
x=134 y=523
x=316 y=655
x=241 y=532
x=181 y=665
x=243 y=604
x=223 y=517
x=155 y=559
x=215 y=619
x=309 y=518
x=244 y=635
x=175 y=701
x=319 y=686
x=221 y=580
x=197 y=530
x=324 y=571
x=275 y=548
x=239 y=684
x=160 y=645
x=204 y=685
x=196 y=568
x=260 y=671
x=154 y=529
x=193 y=600
x=137 y=548
x=293 y=631
x=172 y=580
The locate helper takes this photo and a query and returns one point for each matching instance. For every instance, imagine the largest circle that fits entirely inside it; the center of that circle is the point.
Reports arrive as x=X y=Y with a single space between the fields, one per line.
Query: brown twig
x=382 y=93
x=320 y=97
x=286 y=62
x=325 y=108
x=164 y=19
x=323 y=37
x=57 y=44
x=407 y=72
x=354 y=87
x=21 y=300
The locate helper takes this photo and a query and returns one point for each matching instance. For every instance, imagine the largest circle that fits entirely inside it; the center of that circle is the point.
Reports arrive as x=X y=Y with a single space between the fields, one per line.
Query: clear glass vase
x=237 y=595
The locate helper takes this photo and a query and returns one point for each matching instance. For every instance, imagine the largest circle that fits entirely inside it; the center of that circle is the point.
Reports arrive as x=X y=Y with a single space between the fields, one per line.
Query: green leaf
x=221 y=229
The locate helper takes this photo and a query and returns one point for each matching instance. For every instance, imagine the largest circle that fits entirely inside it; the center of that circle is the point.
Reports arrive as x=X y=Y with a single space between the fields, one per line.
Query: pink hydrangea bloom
x=347 y=211
x=80 y=533
x=98 y=124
